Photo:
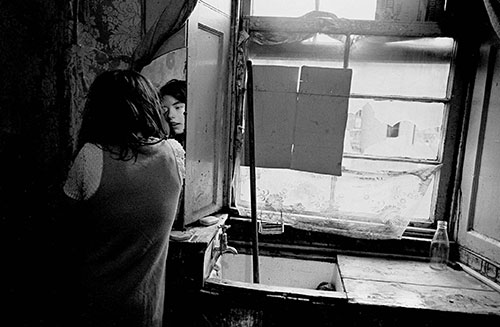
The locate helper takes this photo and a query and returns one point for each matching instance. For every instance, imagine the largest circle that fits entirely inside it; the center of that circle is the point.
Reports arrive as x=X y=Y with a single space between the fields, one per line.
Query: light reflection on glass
x=400 y=66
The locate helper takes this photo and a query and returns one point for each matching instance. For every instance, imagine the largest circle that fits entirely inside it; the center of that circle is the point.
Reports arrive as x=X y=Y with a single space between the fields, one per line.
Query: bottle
x=440 y=247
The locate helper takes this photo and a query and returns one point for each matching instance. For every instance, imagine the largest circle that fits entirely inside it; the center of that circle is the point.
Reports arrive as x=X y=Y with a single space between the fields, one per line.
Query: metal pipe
x=253 y=189
x=347 y=50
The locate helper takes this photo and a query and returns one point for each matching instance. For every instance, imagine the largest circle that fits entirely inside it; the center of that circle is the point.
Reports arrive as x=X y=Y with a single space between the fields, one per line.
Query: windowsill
x=416 y=248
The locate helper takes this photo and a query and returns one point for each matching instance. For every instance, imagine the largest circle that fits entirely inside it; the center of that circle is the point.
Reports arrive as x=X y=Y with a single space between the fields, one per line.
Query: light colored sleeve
x=85 y=174
x=180 y=157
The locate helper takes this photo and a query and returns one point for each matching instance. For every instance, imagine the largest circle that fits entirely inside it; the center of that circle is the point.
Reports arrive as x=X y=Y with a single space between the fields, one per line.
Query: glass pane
x=319 y=50
x=355 y=194
x=410 y=10
x=400 y=66
x=394 y=128
x=282 y=8
x=422 y=210
x=358 y=9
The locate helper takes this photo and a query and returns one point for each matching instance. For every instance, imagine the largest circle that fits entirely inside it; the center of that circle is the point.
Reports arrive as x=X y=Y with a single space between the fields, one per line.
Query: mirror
x=168 y=73
x=204 y=57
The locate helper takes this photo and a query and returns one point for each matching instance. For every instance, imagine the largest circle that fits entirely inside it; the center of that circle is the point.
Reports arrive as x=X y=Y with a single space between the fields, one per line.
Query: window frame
x=454 y=100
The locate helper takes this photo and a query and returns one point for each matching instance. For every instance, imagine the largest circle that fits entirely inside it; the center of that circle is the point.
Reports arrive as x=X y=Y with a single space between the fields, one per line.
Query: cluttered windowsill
x=411 y=247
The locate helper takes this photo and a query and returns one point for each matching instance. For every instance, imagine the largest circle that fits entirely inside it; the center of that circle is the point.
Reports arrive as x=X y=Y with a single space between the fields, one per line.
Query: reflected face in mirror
x=174 y=112
x=173 y=96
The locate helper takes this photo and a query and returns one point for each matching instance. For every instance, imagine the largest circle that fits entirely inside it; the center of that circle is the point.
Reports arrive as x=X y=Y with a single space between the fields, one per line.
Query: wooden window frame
x=454 y=100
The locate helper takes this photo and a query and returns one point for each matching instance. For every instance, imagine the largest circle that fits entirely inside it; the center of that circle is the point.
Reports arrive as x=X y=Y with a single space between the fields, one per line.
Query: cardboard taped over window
x=322 y=106
x=300 y=122
x=275 y=97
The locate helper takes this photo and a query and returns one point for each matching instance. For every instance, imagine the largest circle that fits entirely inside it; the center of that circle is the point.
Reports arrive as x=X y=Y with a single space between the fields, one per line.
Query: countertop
x=413 y=284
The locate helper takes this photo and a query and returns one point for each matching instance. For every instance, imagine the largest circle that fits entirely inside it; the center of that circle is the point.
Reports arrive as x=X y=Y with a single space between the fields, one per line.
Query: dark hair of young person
x=121 y=197
x=112 y=120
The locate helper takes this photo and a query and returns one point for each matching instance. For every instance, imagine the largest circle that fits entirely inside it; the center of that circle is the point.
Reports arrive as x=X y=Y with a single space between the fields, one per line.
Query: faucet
x=223 y=247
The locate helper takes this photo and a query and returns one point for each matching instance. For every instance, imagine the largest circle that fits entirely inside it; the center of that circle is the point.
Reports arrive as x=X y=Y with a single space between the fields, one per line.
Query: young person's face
x=173 y=111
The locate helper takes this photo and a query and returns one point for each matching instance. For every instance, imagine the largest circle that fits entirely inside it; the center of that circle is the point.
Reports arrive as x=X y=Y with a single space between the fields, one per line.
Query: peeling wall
x=105 y=34
x=51 y=51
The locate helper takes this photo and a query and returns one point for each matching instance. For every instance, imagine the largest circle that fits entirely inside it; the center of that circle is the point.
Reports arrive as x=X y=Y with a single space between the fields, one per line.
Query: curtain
x=493 y=9
x=171 y=20
x=322 y=18
x=360 y=204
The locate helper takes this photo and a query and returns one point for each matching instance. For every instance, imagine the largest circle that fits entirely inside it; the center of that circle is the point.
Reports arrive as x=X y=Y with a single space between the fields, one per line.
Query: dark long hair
x=122 y=113
x=175 y=88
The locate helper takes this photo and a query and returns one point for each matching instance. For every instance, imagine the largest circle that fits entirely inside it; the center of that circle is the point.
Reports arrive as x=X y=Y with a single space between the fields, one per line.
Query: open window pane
x=400 y=66
x=282 y=8
x=394 y=129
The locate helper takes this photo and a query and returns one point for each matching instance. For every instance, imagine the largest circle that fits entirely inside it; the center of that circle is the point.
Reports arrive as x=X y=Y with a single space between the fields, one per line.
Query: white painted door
x=479 y=228
x=207 y=113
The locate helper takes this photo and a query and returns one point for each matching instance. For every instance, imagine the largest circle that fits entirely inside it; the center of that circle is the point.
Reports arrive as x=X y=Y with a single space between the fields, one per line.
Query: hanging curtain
x=493 y=9
x=324 y=19
x=171 y=20
x=359 y=204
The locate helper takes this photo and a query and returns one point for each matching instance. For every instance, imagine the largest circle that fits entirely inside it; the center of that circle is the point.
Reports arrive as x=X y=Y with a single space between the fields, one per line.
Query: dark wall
x=50 y=51
x=33 y=150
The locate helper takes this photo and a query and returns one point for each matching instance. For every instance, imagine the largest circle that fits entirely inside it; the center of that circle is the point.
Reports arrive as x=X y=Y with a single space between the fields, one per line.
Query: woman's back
x=128 y=218
x=125 y=185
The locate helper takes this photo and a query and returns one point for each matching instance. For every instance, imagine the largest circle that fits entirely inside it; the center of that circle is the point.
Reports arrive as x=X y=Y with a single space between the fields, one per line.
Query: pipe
x=253 y=189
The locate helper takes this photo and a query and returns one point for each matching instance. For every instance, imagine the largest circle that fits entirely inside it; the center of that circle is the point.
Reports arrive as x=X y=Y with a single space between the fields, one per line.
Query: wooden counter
x=413 y=284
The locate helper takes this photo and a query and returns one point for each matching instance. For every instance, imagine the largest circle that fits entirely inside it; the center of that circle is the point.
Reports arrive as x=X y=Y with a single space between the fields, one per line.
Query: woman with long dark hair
x=124 y=186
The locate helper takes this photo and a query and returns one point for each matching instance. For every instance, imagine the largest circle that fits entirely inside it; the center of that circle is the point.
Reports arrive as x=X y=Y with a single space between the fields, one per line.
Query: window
x=394 y=10
x=359 y=9
x=396 y=123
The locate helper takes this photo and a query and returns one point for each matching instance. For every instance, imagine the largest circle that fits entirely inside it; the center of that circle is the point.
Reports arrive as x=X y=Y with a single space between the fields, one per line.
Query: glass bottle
x=440 y=247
